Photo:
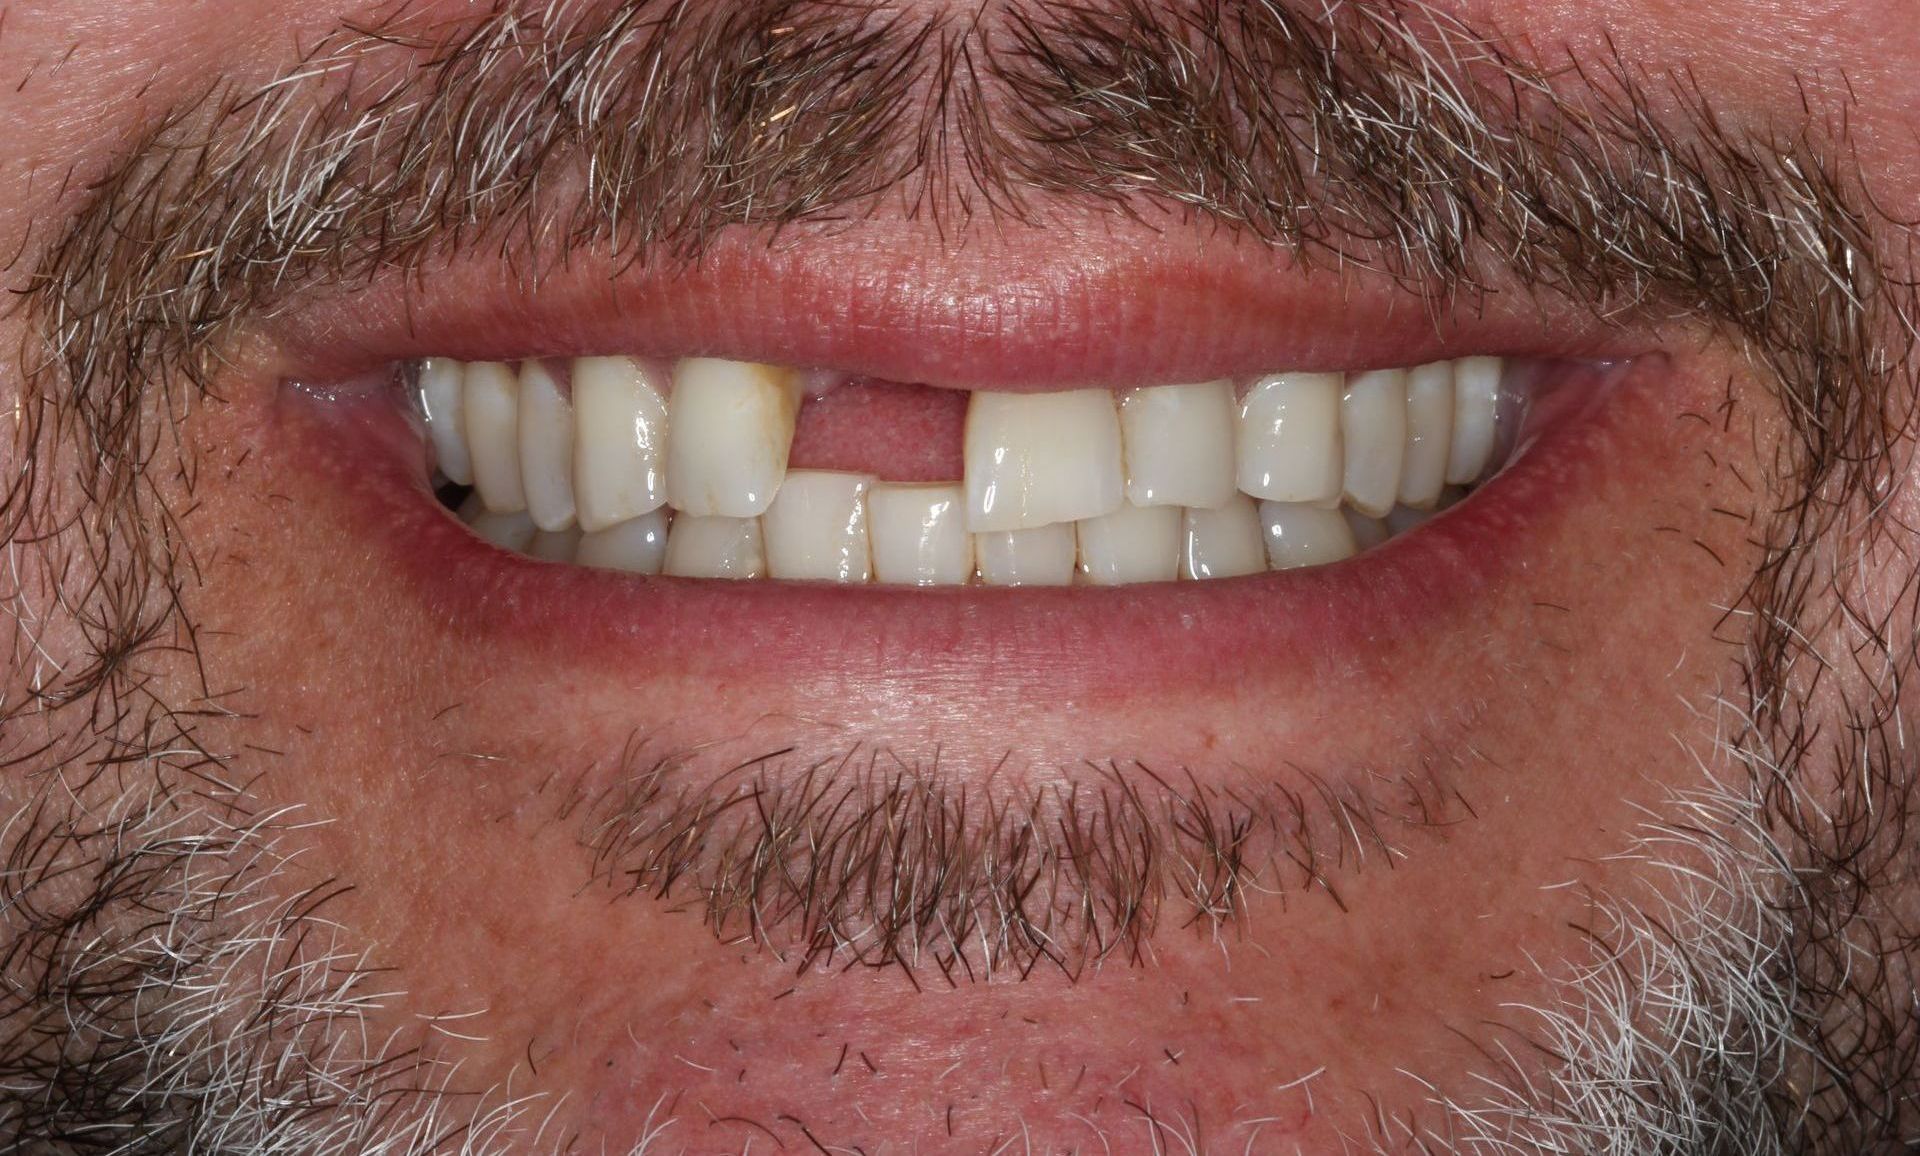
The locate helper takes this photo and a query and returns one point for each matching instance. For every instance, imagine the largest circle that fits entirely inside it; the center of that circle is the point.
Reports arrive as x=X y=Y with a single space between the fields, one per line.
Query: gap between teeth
x=637 y=466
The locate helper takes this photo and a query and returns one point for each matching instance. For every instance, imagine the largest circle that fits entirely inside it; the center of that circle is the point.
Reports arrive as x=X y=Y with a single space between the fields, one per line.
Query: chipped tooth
x=1041 y=556
x=620 y=440
x=1288 y=438
x=1299 y=535
x=546 y=448
x=1040 y=459
x=1223 y=543
x=920 y=534
x=1429 y=433
x=1476 y=408
x=637 y=545
x=441 y=385
x=1132 y=544
x=1367 y=532
x=492 y=405
x=1179 y=444
x=816 y=528
x=511 y=530
x=715 y=547
x=732 y=425
x=555 y=545
x=1373 y=423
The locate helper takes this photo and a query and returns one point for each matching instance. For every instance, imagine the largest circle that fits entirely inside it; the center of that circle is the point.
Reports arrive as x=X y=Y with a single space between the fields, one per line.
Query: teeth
x=492 y=405
x=732 y=427
x=1373 y=421
x=1042 y=556
x=1039 y=459
x=638 y=545
x=546 y=448
x=1300 y=535
x=1429 y=434
x=443 y=381
x=510 y=531
x=1476 y=407
x=1132 y=544
x=715 y=547
x=817 y=528
x=1223 y=543
x=1289 y=438
x=1179 y=444
x=920 y=534
x=554 y=545
x=1367 y=532
x=620 y=440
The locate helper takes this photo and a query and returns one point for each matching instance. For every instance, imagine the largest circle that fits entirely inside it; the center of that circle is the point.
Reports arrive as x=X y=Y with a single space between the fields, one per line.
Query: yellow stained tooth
x=731 y=430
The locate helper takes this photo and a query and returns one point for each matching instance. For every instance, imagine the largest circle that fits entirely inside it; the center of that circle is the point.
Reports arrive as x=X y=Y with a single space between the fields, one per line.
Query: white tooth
x=1373 y=423
x=1367 y=532
x=1223 y=543
x=1303 y=535
x=638 y=545
x=509 y=531
x=1476 y=406
x=732 y=424
x=1042 y=556
x=1179 y=444
x=715 y=547
x=555 y=545
x=620 y=440
x=1132 y=544
x=546 y=448
x=1429 y=433
x=492 y=404
x=1288 y=443
x=1038 y=459
x=1403 y=518
x=920 y=534
x=816 y=528
x=442 y=382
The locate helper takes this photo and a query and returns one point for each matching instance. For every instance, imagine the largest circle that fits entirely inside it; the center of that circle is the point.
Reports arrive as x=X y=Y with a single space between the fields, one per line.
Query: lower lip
x=1082 y=641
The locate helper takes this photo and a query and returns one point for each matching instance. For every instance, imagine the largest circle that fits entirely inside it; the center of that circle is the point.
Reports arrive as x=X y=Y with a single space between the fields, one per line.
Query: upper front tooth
x=620 y=440
x=1373 y=419
x=1179 y=444
x=442 y=383
x=1223 y=543
x=1132 y=544
x=1429 y=433
x=715 y=547
x=1289 y=438
x=1476 y=408
x=920 y=534
x=546 y=448
x=492 y=404
x=817 y=528
x=732 y=428
x=1039 y=459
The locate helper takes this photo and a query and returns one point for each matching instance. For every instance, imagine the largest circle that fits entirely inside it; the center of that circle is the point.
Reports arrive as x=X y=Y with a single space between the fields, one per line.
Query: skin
x=1564 y=699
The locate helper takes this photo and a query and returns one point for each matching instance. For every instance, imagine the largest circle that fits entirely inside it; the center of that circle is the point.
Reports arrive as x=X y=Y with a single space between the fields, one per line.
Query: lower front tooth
x=732 y=428
x=443 y=383
x=1037 y=459
x=637 y=546
x=1476 y=410
x=1299 y=535
x=512 y=530
x=492 y=404
x=1223 y=543
x=1042 y=556
x=546 y=448
x=1373 y=423
x=816 y=528
x=554 y=545
x=715 y=547
x=1367 y=532
x=920 y=534
x=1132 y=544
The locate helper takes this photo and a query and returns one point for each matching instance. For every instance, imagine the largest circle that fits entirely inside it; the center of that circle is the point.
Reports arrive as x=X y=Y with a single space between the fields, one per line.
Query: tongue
x=898 y=433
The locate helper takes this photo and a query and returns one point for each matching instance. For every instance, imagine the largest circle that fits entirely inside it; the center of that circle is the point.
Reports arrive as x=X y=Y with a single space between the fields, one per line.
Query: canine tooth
x=442 y=382
x=732 y=424
x=1132 y=544
x=1039 y=459
x=492 y=404
x=546 y=448
x=513 y=530
x=1373 y=422
x=817 y=528
x=1041 y=556
x=554 y=545
x=1429 y=433
x=920 y=534
x=1223 y=543
x=1476 y=406
x=1298 y=535
x=1288 y=441
x=620 y=440
x=1367 y=532
x=1179 y=444
x=715 y=547
x=637 y=545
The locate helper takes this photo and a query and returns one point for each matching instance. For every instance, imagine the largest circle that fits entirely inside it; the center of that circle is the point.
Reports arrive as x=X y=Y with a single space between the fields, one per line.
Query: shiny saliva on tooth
x=628 y=464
